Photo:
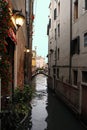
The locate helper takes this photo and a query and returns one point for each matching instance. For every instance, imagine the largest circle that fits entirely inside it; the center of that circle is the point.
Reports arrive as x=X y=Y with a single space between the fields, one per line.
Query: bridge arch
x=39 y=72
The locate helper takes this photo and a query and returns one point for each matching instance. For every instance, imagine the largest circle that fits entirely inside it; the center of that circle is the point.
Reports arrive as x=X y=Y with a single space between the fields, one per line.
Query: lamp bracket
x=17 y=11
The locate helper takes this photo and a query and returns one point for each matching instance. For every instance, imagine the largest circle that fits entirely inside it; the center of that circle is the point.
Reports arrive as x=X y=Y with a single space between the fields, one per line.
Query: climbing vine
x=5 y=25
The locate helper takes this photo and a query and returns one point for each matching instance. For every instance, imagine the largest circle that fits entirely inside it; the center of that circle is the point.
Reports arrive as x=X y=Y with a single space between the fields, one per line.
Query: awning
x=12 y=35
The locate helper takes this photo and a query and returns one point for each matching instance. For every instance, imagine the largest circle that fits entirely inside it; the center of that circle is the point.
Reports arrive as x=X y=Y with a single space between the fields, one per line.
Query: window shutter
x=85 y=4
x=78 y=41
x=48 y=29
x=72 y=47
x=85 y=39
x=55 y=12
x=49 y=23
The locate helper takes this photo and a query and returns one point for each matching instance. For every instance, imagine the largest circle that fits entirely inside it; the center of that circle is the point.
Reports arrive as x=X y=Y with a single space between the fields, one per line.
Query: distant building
x=40 y=62
x=33 y=61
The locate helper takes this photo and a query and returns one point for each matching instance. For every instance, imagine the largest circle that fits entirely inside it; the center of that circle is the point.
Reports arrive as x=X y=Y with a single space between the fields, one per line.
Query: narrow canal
x=49 y=113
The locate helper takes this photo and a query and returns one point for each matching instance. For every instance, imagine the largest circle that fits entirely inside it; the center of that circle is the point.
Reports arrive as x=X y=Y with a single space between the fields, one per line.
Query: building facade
x=21 y=36
x=40 y=62
x=67 y=41
x=17 y=39
x=67 y=46
x=59 y=40
x=33 y=61
x=23 y=51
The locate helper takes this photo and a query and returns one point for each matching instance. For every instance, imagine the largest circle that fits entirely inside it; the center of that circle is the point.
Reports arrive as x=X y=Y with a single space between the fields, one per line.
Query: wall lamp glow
x=27 y=50
x=19 y=17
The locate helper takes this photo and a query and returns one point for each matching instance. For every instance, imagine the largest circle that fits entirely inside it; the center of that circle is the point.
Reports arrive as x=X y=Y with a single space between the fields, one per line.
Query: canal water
x=48 y=112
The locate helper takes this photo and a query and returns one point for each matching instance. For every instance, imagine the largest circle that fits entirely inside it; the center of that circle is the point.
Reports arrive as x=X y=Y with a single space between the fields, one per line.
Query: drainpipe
x=70 y=58
x=27 y=10
x=0 y=94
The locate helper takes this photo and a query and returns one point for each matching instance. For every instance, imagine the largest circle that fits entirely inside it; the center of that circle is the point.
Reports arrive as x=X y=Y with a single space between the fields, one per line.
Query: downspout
x=70 y=58
x=30 y=40
x=26 y=75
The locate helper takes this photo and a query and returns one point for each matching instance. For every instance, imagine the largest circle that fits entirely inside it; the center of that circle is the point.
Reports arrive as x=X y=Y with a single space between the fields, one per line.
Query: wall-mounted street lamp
x=26 y=50
x=18 y=18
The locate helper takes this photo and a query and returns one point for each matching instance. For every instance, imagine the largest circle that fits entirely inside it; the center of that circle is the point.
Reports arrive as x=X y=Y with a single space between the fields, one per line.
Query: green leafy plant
x=18 y=109
x=22 y=100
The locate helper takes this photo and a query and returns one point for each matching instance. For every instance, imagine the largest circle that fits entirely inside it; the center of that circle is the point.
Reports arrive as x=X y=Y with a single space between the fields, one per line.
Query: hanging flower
x=33 y=17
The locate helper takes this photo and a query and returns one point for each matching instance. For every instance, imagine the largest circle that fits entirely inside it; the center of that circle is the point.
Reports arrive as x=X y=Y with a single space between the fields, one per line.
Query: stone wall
x=84 y=102
x=74 y=97
x=50 y=82
x=69 y=94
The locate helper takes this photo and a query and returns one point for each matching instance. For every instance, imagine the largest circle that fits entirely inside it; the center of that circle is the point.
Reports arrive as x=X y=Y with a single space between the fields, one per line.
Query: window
x=76 y=10
x=55 y=54
x=48 y=26
x=85 y=4
x=58 y=53
x=85 y=39
x=59 y=30
x=59 y=8
x=48 y=29
x=75 y=73
x=84 y=76
x=75 y=47
x=55 y=14
x=27 y=6
x=55 y=33
x=49 y=23
x=54 y=71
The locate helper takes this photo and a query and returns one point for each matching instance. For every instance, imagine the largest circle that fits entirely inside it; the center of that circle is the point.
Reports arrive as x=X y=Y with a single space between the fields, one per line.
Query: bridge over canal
x=39 y=72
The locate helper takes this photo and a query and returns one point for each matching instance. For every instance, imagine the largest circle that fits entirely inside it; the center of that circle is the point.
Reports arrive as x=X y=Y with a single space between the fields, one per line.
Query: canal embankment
x=74 y=97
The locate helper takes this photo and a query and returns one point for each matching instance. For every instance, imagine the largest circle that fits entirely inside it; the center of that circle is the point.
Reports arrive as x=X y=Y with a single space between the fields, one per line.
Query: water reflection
x=39 y=112
x=49 y=113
